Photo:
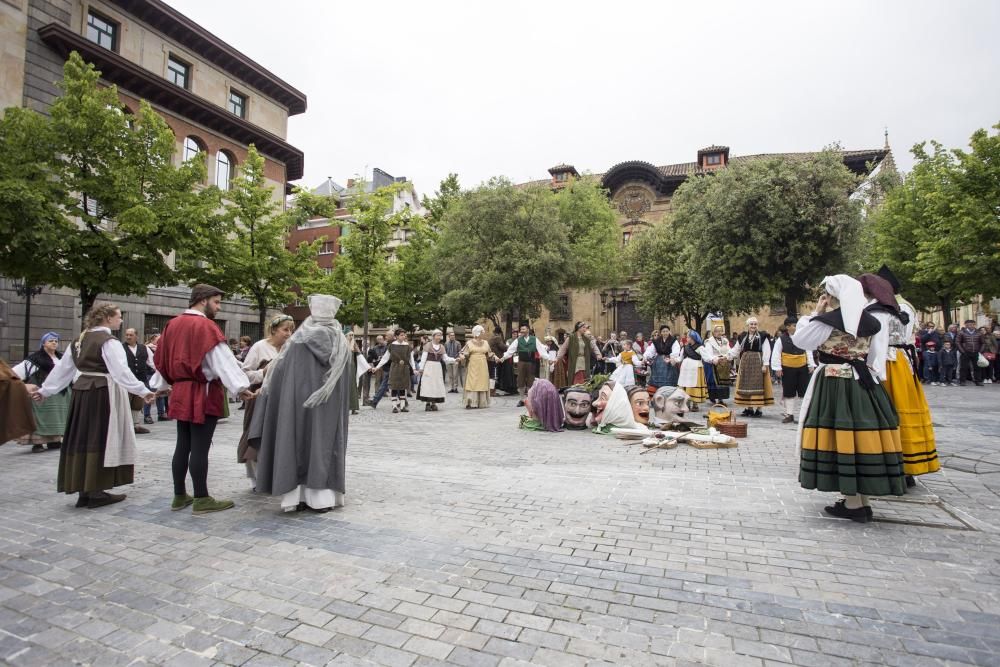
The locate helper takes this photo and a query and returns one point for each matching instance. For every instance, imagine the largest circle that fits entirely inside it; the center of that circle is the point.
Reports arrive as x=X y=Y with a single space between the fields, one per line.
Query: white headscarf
x=618 y=411
x=321 y=322
x=852 y=299
x=477 y=331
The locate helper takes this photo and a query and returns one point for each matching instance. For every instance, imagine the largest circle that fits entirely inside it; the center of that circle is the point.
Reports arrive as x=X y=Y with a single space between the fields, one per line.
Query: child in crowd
x=932 y=364
x=949 y=363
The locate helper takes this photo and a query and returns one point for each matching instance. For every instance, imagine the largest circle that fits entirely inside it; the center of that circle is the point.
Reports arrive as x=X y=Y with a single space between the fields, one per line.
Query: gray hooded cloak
x=299 y=445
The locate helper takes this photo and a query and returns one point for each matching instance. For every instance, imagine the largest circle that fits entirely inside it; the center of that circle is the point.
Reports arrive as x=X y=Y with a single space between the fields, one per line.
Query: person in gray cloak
x=300 y=419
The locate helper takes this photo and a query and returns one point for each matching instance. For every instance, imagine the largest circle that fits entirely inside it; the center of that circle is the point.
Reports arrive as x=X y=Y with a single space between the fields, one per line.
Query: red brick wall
x=273 y=170
x=330 y=232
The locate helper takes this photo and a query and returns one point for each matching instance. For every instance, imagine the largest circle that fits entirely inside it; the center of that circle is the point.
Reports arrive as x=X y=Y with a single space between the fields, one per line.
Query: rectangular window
x=154 y=324
x=251 y=329
x=327 y=270
x=221 y=324
x=326 y=248
x=178 y=72
x=237 y=104
x=563 y=311
x=102 y=31
x=713 y=159
x=626 y=237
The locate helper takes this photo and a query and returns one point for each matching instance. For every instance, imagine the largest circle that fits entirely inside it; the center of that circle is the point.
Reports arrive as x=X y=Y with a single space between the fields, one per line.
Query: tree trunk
x=792 y=303
x=945 y=302
x=496 y=321
x=261 y=316
x=699 y=319
x=87 y=298
x=510 y=323
x=364 y=316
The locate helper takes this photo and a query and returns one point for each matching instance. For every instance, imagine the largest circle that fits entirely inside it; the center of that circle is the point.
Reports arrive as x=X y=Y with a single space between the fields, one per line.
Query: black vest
x=137 y=363
x=787 y=347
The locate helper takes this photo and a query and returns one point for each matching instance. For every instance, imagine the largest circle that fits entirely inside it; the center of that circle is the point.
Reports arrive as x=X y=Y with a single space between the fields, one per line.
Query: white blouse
x=113 y=354
x=261 y=351
x=437 y=348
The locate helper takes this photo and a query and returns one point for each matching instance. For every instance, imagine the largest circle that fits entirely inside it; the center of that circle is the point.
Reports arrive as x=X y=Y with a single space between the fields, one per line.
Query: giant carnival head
x=576 y=403
x=638 y=398
x=599 y=400
x=669 y=405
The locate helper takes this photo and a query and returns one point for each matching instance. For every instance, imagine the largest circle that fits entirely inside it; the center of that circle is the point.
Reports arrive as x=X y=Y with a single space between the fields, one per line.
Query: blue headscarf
x=46 y=337
x=693 y=335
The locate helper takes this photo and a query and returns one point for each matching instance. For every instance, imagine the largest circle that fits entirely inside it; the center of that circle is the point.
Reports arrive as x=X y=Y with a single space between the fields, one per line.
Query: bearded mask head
x=576 y=403
x=638 y=398
x=669 y=405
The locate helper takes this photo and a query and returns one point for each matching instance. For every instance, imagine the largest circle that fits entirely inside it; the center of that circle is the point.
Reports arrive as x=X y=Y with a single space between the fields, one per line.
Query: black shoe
x=748 y=412
x=395 y=410
x=35 y=449
x=162 y=418
x=910 y=482
x=81 y=501
x=321 y=510
x=979 y=384
x=520 y=404
x=787 y=419
x=102 y=498
x=241 y=407
x=839 y=510
x=54 y=445
x=406 y=408
x=147 y=420
x=141 y=430
x=758 y=413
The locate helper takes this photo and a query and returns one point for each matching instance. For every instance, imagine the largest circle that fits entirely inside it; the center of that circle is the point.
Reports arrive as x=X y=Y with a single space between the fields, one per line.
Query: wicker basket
x=734 y=428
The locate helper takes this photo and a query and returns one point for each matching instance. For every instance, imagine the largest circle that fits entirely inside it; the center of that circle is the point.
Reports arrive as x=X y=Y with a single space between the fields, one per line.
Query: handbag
x=718 y=413
x=982 y=362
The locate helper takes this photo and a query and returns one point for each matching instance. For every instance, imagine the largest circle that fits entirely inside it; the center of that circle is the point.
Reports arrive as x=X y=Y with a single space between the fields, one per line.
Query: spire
x=888 y=162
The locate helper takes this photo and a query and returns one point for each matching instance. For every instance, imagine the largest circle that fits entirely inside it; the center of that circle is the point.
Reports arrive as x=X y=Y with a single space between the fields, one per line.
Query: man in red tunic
x=194 y=358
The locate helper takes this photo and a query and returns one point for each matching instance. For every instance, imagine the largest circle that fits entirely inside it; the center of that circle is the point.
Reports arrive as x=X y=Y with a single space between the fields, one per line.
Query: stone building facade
x=641 y=193
x=215 y=99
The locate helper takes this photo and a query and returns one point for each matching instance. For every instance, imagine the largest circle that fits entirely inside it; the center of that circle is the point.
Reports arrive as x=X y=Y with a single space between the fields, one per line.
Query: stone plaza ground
x=468 y=542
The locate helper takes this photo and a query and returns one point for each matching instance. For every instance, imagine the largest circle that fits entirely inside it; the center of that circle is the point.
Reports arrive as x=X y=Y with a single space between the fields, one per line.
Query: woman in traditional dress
x=895 y=361
x=560 y=368
x=753 y=377
x=280 y=328
x=401 y=370
x=580 y=350
x=717 y=365
x=659 y=357
x=50 y=416
x=431 y=388
x=692 y=374
x=476 y=354
x=98 y=449
x=848 y=430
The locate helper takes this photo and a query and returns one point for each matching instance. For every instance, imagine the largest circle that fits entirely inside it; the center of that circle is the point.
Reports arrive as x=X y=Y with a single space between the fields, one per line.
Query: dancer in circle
x=431 y=370
x=50 y=416
x=476 y=354
x=753 y=376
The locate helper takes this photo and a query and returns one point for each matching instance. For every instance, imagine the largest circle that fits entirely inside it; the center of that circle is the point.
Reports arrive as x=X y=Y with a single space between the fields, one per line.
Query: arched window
x=225 y=167
x=192 y=146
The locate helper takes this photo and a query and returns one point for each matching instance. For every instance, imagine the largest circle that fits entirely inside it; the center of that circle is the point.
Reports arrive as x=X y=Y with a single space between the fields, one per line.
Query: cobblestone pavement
x=468 y=542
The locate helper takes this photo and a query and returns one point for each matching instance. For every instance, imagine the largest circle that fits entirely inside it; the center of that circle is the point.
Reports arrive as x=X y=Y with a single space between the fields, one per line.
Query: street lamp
x=26 y=290
x=611 y=298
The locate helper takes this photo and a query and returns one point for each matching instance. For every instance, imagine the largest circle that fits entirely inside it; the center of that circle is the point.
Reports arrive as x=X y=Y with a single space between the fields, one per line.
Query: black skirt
x=81 y=458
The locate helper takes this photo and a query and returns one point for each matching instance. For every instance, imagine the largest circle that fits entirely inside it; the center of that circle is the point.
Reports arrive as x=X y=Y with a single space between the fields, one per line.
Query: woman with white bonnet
x=848 y=428
x=299 y=425
x=477 y=376
x=431 y=389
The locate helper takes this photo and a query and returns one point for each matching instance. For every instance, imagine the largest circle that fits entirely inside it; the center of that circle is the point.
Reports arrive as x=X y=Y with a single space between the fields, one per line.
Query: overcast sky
x=512 y=88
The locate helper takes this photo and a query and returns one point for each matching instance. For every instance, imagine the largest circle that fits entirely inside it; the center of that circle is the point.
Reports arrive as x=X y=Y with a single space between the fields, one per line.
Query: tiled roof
x=684 y=169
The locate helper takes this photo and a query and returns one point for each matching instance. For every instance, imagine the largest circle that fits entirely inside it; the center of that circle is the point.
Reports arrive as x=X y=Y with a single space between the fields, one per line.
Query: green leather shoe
x=180 y=502
x=210 y=504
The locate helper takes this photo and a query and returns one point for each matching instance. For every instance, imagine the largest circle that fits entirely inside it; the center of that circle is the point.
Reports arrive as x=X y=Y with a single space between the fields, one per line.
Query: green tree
x=416 y=295
x=769 y=229
x=249 y=255
x=33 y=225
x=666 y=287
x=502 y=248
x=130 y=207
x=362 y=272
x=937 y=230
x=594 y=257
x=509 y=249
